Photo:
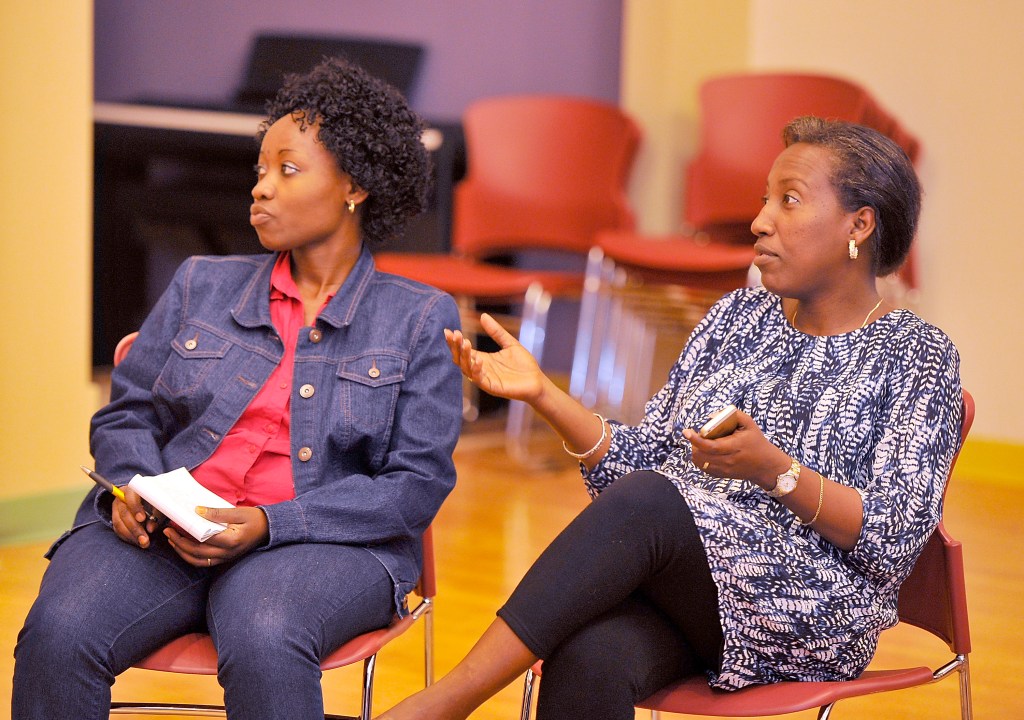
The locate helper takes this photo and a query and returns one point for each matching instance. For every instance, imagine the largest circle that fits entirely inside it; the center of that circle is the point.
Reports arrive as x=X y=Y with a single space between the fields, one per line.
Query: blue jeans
x=104 y=604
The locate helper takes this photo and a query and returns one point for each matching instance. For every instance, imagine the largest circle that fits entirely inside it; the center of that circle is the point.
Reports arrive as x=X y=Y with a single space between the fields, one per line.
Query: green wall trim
x=34 y=518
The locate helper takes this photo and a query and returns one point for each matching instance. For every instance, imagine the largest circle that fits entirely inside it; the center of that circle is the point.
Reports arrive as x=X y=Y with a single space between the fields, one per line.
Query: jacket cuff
x=286 y=523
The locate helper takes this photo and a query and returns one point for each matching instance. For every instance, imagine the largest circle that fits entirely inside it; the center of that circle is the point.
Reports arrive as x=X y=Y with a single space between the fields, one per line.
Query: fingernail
x=200 y=511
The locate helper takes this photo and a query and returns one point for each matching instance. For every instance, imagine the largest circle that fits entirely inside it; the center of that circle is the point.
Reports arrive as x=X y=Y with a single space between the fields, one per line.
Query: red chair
x=741 y=120
x=544 y=175
x=194 y=654
x=742 y=117
x=933 y=598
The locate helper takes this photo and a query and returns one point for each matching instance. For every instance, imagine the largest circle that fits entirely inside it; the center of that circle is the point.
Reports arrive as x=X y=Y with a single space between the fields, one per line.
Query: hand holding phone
x=720 y=424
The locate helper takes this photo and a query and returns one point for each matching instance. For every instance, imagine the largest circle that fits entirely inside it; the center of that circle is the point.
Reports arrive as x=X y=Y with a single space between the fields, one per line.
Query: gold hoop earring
x=351 y=205
x=854 y=250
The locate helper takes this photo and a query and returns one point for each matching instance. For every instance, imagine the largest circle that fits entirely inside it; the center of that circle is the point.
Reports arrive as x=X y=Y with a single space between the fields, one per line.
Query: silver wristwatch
x=786 y=482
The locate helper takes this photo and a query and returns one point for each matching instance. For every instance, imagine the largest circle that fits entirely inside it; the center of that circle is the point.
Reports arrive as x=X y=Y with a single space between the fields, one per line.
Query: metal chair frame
x=621 y=320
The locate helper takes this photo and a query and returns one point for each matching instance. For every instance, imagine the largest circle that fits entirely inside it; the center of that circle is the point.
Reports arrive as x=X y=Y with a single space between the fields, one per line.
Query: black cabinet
x=171 y=182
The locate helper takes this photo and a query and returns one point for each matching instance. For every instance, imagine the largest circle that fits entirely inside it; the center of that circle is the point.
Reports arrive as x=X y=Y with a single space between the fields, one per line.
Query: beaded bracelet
x=591 y=451
x=821 y=498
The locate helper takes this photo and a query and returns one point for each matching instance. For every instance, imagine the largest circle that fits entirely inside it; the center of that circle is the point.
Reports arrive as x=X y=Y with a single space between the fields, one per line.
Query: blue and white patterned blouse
x=877 y=409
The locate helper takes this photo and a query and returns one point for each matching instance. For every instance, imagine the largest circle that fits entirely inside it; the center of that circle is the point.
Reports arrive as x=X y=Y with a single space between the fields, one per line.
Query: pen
x=103 y=482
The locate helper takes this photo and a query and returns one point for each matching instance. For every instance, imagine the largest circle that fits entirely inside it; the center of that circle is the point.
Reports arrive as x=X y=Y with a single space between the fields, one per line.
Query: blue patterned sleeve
x=920 y=434
x=648 y=444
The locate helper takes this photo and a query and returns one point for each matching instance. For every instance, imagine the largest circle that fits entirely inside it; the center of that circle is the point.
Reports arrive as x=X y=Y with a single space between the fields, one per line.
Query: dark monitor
x=274 y=56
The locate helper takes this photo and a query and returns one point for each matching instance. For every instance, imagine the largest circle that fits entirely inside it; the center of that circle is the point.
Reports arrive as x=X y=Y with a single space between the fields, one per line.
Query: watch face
x=784 y=484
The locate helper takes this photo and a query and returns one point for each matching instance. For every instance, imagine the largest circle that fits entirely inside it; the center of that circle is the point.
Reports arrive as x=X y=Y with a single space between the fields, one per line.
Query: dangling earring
x=351 y=205
x=854 y=250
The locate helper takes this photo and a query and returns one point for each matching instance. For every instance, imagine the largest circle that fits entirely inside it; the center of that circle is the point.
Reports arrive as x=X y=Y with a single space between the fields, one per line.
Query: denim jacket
x=371 y=445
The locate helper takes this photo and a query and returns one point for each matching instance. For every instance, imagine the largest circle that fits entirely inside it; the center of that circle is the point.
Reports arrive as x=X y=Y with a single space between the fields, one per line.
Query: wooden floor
x=501 y=516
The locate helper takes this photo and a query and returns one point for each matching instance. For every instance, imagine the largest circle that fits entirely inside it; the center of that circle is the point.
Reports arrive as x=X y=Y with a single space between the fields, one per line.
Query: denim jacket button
x=305 y=454
x=191 y=344
x=315 y=336
x=307 y=390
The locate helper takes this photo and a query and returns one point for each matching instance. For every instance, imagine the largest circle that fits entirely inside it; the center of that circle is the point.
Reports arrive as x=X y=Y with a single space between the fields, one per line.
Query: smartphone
x=720 y=424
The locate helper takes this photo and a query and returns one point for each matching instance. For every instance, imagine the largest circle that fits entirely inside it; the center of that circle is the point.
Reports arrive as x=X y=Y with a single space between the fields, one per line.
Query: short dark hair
x=869 y=170
x=372 y=133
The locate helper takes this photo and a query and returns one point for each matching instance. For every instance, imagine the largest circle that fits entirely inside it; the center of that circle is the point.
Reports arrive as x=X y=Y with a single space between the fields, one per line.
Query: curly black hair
x=372 y=133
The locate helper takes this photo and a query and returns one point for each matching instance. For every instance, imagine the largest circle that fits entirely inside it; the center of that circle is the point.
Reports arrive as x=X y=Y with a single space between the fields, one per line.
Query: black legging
x=620 y=604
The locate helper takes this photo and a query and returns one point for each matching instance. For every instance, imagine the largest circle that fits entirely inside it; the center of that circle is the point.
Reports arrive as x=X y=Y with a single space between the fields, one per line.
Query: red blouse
x=252 y=464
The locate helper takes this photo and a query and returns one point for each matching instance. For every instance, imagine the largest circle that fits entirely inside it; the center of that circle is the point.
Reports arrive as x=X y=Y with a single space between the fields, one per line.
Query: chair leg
x=593 y=334
x=528 y=687
x=179 y=710
x=610 y=348
x=588 y=327
x=639 y=371
x=627 y=351
x=966 y=704
x=369 y=665
x=531 y=335
x=428 y=644
x=470 y=392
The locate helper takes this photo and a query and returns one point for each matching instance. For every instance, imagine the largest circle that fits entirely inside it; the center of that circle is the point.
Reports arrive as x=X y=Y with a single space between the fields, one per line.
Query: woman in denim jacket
x=309 y=390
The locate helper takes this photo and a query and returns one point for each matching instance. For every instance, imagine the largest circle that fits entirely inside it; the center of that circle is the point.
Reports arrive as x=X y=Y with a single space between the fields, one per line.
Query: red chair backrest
x=934 y=597
x=741 y=121
x=123 y=346
x=542 y=172
x=427 y=586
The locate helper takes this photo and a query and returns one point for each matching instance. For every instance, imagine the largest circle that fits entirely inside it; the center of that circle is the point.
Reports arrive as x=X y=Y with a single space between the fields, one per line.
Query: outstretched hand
x=511 y=372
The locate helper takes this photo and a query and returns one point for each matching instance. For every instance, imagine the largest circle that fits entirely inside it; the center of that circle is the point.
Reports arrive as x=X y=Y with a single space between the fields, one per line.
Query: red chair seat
x=470 y=278
x=682 y=253
x=693 y=696
x=194 y=654
x=679 y=259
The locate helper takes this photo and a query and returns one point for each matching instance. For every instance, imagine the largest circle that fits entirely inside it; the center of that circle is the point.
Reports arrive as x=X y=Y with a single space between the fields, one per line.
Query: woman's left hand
x=247 y=527
x=745 y=454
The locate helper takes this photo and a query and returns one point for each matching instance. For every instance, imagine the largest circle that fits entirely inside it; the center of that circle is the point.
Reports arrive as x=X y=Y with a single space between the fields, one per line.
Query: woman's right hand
x=511 y=372
x=131 y=521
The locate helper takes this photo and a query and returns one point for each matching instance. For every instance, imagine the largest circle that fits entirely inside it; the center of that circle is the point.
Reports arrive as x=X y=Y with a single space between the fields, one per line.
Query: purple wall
x=195 y=49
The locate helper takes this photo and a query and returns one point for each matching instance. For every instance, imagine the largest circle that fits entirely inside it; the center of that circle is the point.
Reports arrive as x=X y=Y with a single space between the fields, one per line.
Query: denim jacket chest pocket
x=191 y=367
x=368 y=390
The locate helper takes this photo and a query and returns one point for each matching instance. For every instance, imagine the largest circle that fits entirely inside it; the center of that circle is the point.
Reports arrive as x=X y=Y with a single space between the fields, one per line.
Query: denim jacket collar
x=253 y=308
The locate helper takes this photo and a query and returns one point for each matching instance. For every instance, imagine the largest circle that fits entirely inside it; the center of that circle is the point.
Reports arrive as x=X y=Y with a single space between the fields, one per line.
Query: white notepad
x=177 y=494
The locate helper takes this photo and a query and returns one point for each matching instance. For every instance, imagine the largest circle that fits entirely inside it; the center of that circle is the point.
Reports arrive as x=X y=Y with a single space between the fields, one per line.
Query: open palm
x=511 y=372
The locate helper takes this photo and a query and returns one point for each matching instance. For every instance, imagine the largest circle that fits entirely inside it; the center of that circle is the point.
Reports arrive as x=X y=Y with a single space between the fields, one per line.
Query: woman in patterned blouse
x=775 y=552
